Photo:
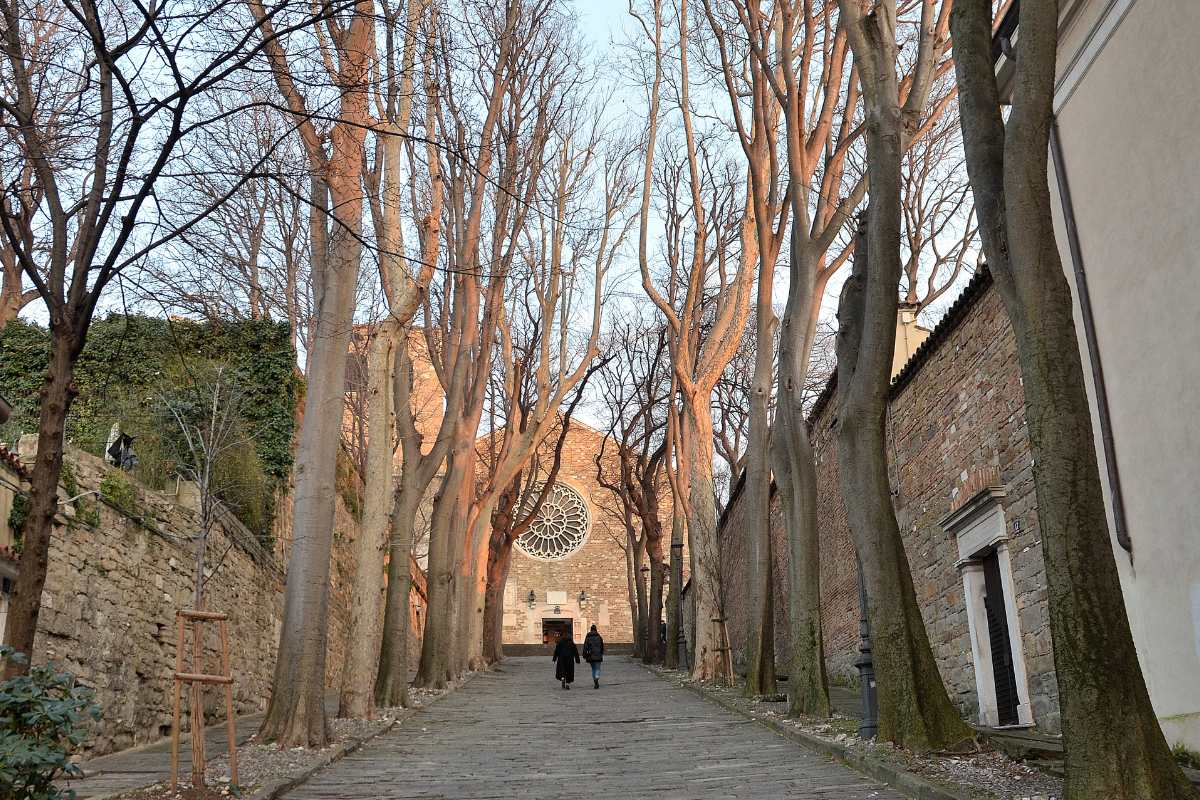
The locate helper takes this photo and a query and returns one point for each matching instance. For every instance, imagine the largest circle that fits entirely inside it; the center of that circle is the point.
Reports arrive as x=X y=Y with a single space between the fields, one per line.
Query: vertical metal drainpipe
x=1089 y=336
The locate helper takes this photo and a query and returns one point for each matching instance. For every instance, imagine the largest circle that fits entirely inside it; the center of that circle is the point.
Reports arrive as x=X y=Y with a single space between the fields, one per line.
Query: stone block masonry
x=116 y=580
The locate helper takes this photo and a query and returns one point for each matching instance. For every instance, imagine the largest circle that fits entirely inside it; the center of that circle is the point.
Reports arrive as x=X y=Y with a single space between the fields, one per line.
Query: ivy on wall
x=129 y=362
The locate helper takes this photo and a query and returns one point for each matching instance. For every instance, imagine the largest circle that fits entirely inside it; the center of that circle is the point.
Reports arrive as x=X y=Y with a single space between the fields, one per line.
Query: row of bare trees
x=775 y=120
x=440 y=172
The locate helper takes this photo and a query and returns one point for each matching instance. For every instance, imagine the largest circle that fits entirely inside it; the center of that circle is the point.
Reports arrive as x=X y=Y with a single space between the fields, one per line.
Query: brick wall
x=955 y=411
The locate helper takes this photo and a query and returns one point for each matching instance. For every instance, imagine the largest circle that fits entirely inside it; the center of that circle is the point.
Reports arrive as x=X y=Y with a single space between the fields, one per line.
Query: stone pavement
x=142 y=766
x=516 y=734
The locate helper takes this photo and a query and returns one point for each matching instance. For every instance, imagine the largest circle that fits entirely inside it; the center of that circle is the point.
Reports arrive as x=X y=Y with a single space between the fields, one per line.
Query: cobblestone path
x=516 y=734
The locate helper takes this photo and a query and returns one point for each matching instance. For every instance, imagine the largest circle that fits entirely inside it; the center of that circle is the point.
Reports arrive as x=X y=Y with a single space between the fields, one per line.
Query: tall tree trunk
x=493 y=616
x=475 y=590
x=709 y=644
x=675 y=588
x=445 y=549
x=636 y=590
x=795 y=478
x=1115 y=747
x=760 y=639
x=654 y=652
x=363 y=639
x=56 y=395
x=296 y=711
x=391 y=680
x=914 y=709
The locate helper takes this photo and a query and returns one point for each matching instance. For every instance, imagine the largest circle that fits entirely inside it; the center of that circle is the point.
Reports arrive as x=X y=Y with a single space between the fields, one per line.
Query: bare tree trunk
x=675 y=588
x=705 y=555
x=391 y=681
x=471 y=639
x=57 y=393
x=654 y=652
x=363 y=641
x=296 y=712
x=795 y=476
x=493 y=624
x=1115 y=747
x=446 y=542
x=914 y=709
x=760 y=642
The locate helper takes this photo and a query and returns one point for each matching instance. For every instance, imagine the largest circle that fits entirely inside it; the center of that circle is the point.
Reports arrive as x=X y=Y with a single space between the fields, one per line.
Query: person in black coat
x=566 y=656
x=593 y=653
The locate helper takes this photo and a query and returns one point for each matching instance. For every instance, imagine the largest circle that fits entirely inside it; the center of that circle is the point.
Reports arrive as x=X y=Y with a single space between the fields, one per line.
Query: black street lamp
x=869 y=725
x=532 y=599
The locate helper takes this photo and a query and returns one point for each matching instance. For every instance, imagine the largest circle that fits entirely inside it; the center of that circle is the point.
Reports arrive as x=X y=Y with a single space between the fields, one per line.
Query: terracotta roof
x=10 y=460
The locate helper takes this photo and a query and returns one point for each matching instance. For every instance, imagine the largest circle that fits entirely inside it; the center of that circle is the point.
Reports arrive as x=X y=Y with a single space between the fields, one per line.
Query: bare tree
x=634 y=391
x=99 y=173
x=249 y=258
x=296 y=711
x=402 y=285
x=914 y=709
x=1114 y=744
x=507 y=52
x=720 y=223
x=938 y=217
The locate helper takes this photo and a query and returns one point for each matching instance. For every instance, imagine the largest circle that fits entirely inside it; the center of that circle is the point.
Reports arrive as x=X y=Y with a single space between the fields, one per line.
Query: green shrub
x=119 y=492
x=42 y=722
x=1185 y=757
x=130 y=361
x=67 y=478
x=87 y=513
x=16 y=518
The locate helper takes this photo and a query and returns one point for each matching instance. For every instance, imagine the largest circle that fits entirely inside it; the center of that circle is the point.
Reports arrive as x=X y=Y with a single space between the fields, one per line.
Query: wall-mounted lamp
x=583 y=599
x=557 y=610
x=532 y=599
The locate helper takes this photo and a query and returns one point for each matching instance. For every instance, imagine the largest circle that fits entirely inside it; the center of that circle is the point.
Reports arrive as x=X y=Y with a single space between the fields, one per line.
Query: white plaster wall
x=1129 y=127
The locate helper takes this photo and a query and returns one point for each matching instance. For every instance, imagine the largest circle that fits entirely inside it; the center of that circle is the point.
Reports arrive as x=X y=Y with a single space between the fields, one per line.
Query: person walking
x=566 y=656
x=593 y=653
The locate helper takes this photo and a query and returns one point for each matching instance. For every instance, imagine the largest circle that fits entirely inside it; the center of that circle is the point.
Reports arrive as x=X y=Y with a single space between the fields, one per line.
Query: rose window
x=560 y=527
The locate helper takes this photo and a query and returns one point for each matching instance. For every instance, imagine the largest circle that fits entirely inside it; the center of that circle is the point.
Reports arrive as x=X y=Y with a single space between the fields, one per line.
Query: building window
x=979 y=529
x=560 y=528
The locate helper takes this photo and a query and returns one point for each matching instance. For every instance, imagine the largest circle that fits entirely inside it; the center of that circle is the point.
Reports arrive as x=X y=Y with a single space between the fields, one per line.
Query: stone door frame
x=979 y=528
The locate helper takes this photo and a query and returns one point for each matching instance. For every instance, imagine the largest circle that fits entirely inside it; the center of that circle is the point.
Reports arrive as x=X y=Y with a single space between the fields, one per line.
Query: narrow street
x=516 y=734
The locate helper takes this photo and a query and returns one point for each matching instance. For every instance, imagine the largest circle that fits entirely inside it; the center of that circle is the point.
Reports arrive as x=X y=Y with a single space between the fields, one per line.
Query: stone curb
x=911 y=785
x=273 y=791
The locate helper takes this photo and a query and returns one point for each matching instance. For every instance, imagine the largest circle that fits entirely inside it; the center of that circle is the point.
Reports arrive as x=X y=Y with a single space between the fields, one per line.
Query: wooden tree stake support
x=194 y=674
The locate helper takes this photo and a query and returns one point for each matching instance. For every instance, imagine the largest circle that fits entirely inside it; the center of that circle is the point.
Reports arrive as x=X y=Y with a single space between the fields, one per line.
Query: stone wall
x=955 y=412
x=598 y=567
x=116 y=580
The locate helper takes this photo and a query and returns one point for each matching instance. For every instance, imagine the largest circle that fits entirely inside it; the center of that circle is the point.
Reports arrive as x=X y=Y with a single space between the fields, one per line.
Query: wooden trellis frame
x=196 y=676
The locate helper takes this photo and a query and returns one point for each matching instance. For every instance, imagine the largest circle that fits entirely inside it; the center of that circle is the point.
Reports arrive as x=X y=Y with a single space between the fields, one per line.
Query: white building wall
x=1128 y=104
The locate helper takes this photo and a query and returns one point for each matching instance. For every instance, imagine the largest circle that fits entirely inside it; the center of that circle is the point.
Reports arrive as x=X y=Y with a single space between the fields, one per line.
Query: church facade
x=572 y=568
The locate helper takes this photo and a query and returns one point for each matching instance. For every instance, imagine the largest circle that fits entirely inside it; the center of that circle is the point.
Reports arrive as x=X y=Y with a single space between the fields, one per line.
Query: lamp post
x=869 y=725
